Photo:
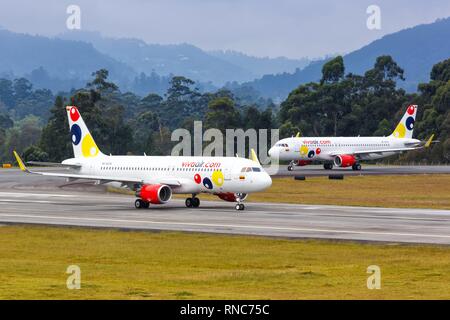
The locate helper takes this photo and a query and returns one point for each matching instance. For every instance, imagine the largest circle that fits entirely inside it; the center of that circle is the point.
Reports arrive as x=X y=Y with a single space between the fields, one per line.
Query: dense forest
x=34 y=121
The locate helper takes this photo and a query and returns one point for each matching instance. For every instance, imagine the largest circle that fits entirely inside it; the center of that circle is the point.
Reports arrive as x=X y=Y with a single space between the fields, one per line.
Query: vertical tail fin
x=405 y=127
x=83 y=144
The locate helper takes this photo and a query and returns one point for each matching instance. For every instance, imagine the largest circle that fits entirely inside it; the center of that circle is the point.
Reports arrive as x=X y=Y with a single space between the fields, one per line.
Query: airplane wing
x=375 y=151
x=102 y=179
x=54 y=164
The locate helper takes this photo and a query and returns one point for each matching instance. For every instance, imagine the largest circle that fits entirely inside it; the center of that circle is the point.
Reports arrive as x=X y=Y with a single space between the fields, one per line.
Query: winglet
x=429 y=141
x=297 y=135
x=20 y=162
x=254 y=157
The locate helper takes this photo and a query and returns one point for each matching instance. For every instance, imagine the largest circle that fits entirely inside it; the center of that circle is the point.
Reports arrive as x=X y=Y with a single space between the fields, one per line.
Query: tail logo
x=406 y=125
x=88 y=146
x=76 y=134
x=400 y=131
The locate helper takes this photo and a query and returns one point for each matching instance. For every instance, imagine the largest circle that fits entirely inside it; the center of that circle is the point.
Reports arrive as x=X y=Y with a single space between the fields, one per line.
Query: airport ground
x=134 y=254
x=118 y=264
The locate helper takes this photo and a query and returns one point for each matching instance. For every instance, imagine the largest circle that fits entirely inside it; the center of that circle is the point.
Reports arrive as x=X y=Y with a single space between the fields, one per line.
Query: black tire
x=195 y=202
x=237 y=207
x=356 y=167
x=241 y=206
x=189 y=203
x=290 y=168
x=139 y=204
x=328 y=166
x=146 y=205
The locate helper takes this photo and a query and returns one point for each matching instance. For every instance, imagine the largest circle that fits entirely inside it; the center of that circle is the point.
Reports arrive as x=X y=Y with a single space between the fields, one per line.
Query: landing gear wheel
x=139 y=204
x=195 y=202
x=356 y=167
x=240 y=206
x=290 y=168
x=189 y=202
x=328 y=166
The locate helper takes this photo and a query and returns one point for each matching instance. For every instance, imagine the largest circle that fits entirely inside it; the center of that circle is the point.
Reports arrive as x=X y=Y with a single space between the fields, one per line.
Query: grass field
x=408 y=191
x=145 y=265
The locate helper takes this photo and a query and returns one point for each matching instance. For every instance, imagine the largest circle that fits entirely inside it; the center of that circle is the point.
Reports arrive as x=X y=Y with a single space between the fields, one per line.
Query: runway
x=34 y=200
x=367 y=170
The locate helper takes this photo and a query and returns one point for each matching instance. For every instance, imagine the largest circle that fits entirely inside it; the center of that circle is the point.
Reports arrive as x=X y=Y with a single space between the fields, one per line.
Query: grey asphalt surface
x=39 y=200
x=318 y=170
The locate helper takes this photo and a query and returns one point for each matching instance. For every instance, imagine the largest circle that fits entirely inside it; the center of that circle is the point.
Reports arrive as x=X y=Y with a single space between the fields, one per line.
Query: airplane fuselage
x=184 y=174
x=326 y=148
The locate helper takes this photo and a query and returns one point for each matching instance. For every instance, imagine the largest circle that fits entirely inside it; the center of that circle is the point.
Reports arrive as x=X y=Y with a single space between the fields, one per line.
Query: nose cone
x=273 y=152
x=267 y=181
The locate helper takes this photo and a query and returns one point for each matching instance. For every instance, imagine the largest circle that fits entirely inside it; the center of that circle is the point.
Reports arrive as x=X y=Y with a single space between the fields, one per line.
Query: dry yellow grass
x=167 y=265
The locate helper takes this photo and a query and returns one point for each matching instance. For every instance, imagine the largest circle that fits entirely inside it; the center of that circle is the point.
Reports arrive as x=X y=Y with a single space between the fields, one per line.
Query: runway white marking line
x=33 y=201
x=233 y=226
x=18 y=194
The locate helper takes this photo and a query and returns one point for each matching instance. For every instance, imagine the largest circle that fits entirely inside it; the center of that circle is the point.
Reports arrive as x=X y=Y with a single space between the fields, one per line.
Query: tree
x=222 y=114
x=55 y=138
x=7 y=92
x=34 y=153
x=333 y=70
x=99 y=83
x=22 y=88
x=441 y=71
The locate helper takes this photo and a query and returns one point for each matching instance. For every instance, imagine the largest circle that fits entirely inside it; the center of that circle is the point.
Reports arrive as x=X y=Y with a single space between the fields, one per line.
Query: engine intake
x=155 y=193
x=344 y=160
x=232 y=197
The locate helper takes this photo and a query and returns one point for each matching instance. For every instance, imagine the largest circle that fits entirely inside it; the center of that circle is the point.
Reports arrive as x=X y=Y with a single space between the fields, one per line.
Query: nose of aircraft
x=267 y=180
x=273 y=152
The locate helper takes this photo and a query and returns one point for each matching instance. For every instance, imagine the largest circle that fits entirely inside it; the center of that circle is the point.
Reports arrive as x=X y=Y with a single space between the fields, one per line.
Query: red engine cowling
x=155 y=193
x=302 y=163
x=231 y=197
x=344 y=160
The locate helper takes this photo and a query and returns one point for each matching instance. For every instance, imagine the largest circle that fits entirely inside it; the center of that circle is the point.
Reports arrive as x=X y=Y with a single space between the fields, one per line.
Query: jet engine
x=232 y=197
x=154 y=193
x=344 y=160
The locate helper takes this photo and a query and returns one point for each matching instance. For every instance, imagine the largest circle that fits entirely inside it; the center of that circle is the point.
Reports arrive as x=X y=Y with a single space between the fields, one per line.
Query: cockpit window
x=285 y=145
x=250 y=169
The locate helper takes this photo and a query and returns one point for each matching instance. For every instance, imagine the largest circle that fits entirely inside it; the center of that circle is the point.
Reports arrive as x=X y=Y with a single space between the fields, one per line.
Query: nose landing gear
x=239 y=206
x=291 y=166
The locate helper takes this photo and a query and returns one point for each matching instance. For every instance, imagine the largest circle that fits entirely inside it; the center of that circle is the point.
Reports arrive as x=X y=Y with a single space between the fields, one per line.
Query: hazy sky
x=293 y=28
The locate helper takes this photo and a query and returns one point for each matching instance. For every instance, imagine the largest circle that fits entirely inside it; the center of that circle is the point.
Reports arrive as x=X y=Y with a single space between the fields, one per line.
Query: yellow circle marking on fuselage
x=217 y=178
x=303 y=150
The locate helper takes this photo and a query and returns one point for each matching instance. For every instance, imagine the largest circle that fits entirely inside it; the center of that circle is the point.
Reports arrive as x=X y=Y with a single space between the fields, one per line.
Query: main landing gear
x=193 y=202
x=356 y=166
x=328 y=166
x=141 y=204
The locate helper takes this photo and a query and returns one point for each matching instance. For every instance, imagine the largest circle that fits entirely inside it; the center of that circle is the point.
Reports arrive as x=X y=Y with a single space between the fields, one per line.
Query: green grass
x=167 y=265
